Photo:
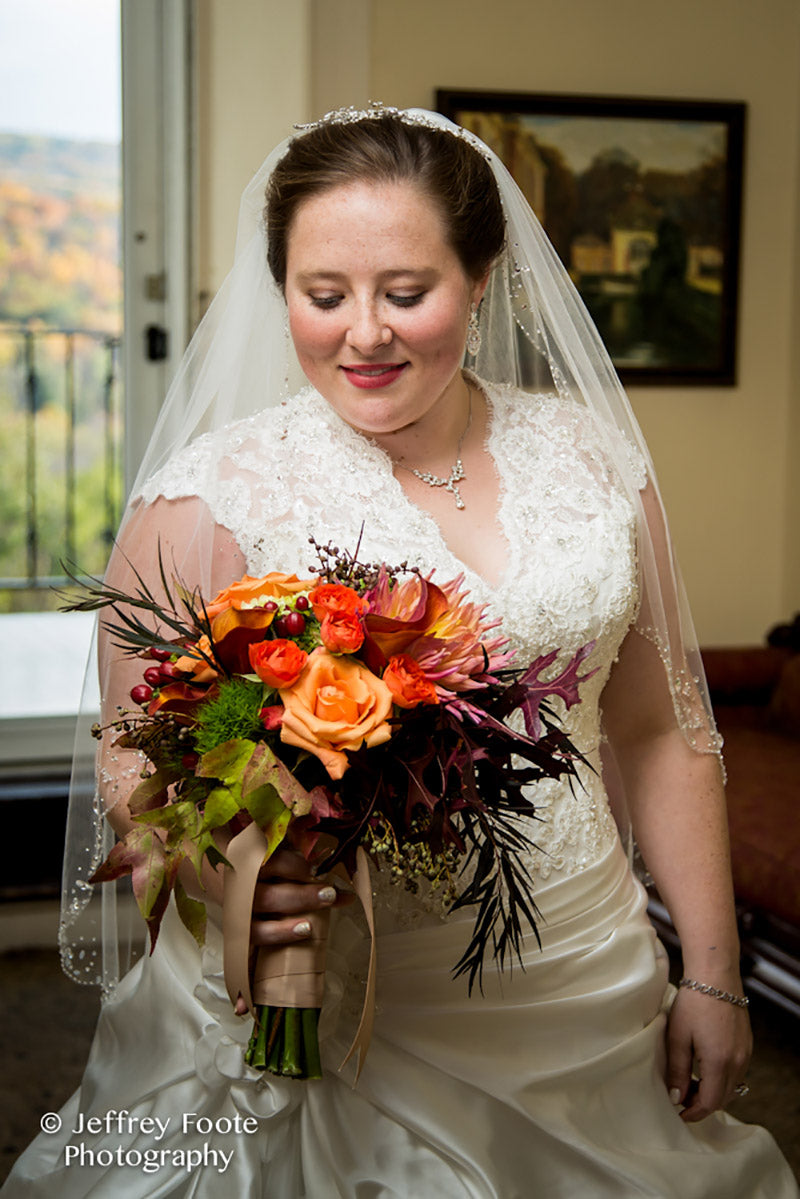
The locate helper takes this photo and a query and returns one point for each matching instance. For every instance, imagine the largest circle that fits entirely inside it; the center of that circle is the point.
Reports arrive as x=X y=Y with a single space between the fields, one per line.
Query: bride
x=392 y=240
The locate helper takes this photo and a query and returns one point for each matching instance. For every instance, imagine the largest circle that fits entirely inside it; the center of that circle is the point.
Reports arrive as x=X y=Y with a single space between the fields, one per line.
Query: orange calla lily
x=180 y=699
x=413 y=609
x=234 y=630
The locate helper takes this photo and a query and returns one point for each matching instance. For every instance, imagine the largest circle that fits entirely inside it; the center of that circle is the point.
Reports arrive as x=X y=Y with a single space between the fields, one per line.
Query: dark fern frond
x=184 y=612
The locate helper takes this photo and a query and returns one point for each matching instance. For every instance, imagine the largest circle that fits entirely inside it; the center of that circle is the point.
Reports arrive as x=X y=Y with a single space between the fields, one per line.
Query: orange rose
x=196 y=666
x=342 y=633
x=408 y=682
x=277 y=663
x=336 y=599
x=335 y=705
x=248 y=591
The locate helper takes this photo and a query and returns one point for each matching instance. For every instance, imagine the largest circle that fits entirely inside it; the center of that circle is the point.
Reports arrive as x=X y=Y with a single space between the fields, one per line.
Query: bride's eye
x=325 y=301
x=405 y=301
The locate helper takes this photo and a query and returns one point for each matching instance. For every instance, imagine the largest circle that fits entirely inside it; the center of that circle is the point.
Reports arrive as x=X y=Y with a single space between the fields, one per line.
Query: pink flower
x=272 y=717
x=446 y=634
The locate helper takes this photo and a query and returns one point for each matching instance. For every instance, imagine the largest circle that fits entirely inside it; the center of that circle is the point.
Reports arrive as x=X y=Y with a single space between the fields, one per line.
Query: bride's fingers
x=283 y=931
x=286 y=864
x=286 y=899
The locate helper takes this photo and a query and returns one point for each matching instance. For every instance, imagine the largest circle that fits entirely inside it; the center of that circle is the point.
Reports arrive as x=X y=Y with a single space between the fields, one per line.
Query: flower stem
x=291 y=1059
x=285 y=1042
x=310 y=1018
x=257 y=1049
x=275 y=1040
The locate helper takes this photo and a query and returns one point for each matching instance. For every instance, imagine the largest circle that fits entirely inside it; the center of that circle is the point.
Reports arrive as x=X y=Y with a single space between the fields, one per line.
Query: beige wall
x=253 y=72
x=725 y=455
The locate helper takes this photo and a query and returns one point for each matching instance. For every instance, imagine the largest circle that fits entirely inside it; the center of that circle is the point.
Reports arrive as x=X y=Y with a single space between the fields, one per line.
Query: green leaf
x=275 y=831
x=227 y=762
x=265 y=805
x=152 y=792
x=221 y=806
x=141 y=854
x=192 y=912
x=206 y=846
x=265 y=769
x=182 y=823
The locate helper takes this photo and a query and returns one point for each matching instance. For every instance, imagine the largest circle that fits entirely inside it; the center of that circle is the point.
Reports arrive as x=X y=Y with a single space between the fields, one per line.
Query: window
x=77 y=397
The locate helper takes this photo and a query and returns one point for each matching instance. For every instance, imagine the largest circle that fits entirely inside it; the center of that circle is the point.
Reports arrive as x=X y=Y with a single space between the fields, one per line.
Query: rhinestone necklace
x=456 y=475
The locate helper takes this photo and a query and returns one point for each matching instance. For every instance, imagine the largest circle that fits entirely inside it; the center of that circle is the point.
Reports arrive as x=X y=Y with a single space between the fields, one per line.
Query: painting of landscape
x=641 y=200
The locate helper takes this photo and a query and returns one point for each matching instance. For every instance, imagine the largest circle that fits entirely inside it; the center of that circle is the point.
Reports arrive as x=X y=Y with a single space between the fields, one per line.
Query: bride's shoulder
x=561 y=428
x=265 y=438
x=515 y=409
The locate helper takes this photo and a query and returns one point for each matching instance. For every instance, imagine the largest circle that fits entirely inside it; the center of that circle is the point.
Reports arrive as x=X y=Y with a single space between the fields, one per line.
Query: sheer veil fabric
x=536 y=335
x=552 y=1080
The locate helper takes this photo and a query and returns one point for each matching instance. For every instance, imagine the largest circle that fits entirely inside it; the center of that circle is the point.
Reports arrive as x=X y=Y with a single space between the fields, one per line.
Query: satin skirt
x=548 y=1084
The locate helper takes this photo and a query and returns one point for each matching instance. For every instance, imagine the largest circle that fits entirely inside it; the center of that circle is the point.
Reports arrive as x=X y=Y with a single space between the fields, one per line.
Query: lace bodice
x=299 y=470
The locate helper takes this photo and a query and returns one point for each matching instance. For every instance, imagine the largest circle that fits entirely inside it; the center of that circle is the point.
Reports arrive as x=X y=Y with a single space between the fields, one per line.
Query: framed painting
x=642 y=200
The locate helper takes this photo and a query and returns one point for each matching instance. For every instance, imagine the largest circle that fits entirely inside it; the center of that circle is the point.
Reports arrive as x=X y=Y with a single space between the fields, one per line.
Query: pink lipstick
x=376 y=375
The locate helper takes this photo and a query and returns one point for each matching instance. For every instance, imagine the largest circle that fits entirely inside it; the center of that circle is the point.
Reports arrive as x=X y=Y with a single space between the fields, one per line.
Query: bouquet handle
x=301 y=965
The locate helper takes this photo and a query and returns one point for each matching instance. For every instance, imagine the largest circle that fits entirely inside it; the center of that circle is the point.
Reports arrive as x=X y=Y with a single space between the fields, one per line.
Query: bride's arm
x=677 y=807
x=207 y=555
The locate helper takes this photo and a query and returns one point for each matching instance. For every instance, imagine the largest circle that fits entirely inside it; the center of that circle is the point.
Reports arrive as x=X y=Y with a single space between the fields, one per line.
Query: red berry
x=270 y=606
x=190 y=760
x=160 y=655
x=141 y=694
x=302 y=603
x=294 y=623
x=169 y=671
x=280 y=627
x=153 y=676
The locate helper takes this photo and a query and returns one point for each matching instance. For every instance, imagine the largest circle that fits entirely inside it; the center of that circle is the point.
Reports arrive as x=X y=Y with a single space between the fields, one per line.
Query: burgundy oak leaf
x=565 y=687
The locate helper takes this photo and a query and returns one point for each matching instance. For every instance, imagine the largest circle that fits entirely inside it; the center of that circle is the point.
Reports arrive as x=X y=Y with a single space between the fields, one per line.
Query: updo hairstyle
x=387 y=150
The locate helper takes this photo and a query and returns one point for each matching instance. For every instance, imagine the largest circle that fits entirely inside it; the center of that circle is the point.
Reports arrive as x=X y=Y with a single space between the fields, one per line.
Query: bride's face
x=378 y=304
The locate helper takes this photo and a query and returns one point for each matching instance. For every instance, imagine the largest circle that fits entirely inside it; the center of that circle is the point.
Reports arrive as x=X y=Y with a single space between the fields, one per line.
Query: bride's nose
x=368 y=331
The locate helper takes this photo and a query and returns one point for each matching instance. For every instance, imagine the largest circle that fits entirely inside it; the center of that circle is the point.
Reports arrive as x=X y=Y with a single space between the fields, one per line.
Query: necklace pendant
x=457 y=474
x=451 y=485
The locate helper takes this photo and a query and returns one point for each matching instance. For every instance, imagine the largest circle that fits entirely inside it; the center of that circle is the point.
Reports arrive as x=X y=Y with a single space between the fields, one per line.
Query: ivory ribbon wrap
x=292 y=975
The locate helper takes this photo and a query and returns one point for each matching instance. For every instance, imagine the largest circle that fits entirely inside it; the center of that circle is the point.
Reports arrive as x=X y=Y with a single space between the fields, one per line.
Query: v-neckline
x=486 y=586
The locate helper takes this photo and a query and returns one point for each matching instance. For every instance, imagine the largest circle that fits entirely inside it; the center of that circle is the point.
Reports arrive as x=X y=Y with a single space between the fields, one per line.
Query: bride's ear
x=479 y=287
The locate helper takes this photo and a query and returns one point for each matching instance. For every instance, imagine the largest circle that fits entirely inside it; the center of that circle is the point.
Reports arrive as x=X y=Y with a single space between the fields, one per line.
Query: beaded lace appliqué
x=570 y=577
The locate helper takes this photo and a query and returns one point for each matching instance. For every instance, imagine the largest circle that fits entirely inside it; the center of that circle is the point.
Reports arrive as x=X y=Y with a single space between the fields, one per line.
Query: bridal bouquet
x=364 y=710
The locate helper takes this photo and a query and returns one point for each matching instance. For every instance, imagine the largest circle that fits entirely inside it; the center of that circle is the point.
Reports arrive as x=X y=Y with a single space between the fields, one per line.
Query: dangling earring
x=473 y=333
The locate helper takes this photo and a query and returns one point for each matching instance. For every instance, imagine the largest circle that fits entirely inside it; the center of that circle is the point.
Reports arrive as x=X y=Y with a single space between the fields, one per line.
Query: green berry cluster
x=409 y=861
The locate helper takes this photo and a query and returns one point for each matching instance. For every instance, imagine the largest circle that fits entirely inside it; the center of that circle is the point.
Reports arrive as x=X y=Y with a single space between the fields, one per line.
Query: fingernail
x=326 y=894
x=674 y=1096
x=302 y=929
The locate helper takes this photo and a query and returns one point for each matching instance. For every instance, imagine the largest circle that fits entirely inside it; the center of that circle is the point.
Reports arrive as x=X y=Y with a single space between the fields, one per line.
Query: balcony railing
x=61 y=428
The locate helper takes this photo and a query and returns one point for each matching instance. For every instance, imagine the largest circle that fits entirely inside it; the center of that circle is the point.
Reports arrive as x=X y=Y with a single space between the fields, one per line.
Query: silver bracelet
x=714 y=992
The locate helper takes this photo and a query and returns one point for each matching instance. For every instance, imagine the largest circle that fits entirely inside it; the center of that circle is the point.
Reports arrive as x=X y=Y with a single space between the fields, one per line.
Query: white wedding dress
x=549 y=1084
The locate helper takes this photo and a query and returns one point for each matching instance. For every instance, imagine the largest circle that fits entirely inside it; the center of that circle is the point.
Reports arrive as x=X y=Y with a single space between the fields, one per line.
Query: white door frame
x=158 y=173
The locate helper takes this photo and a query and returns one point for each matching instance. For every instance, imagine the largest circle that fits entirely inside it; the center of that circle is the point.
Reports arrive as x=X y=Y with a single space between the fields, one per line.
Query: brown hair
x=387 y=150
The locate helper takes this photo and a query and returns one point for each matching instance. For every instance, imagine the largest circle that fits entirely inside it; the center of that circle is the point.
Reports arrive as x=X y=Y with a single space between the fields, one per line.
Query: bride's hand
x=285 y=902
x=286 y=898
x=716 y=1037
